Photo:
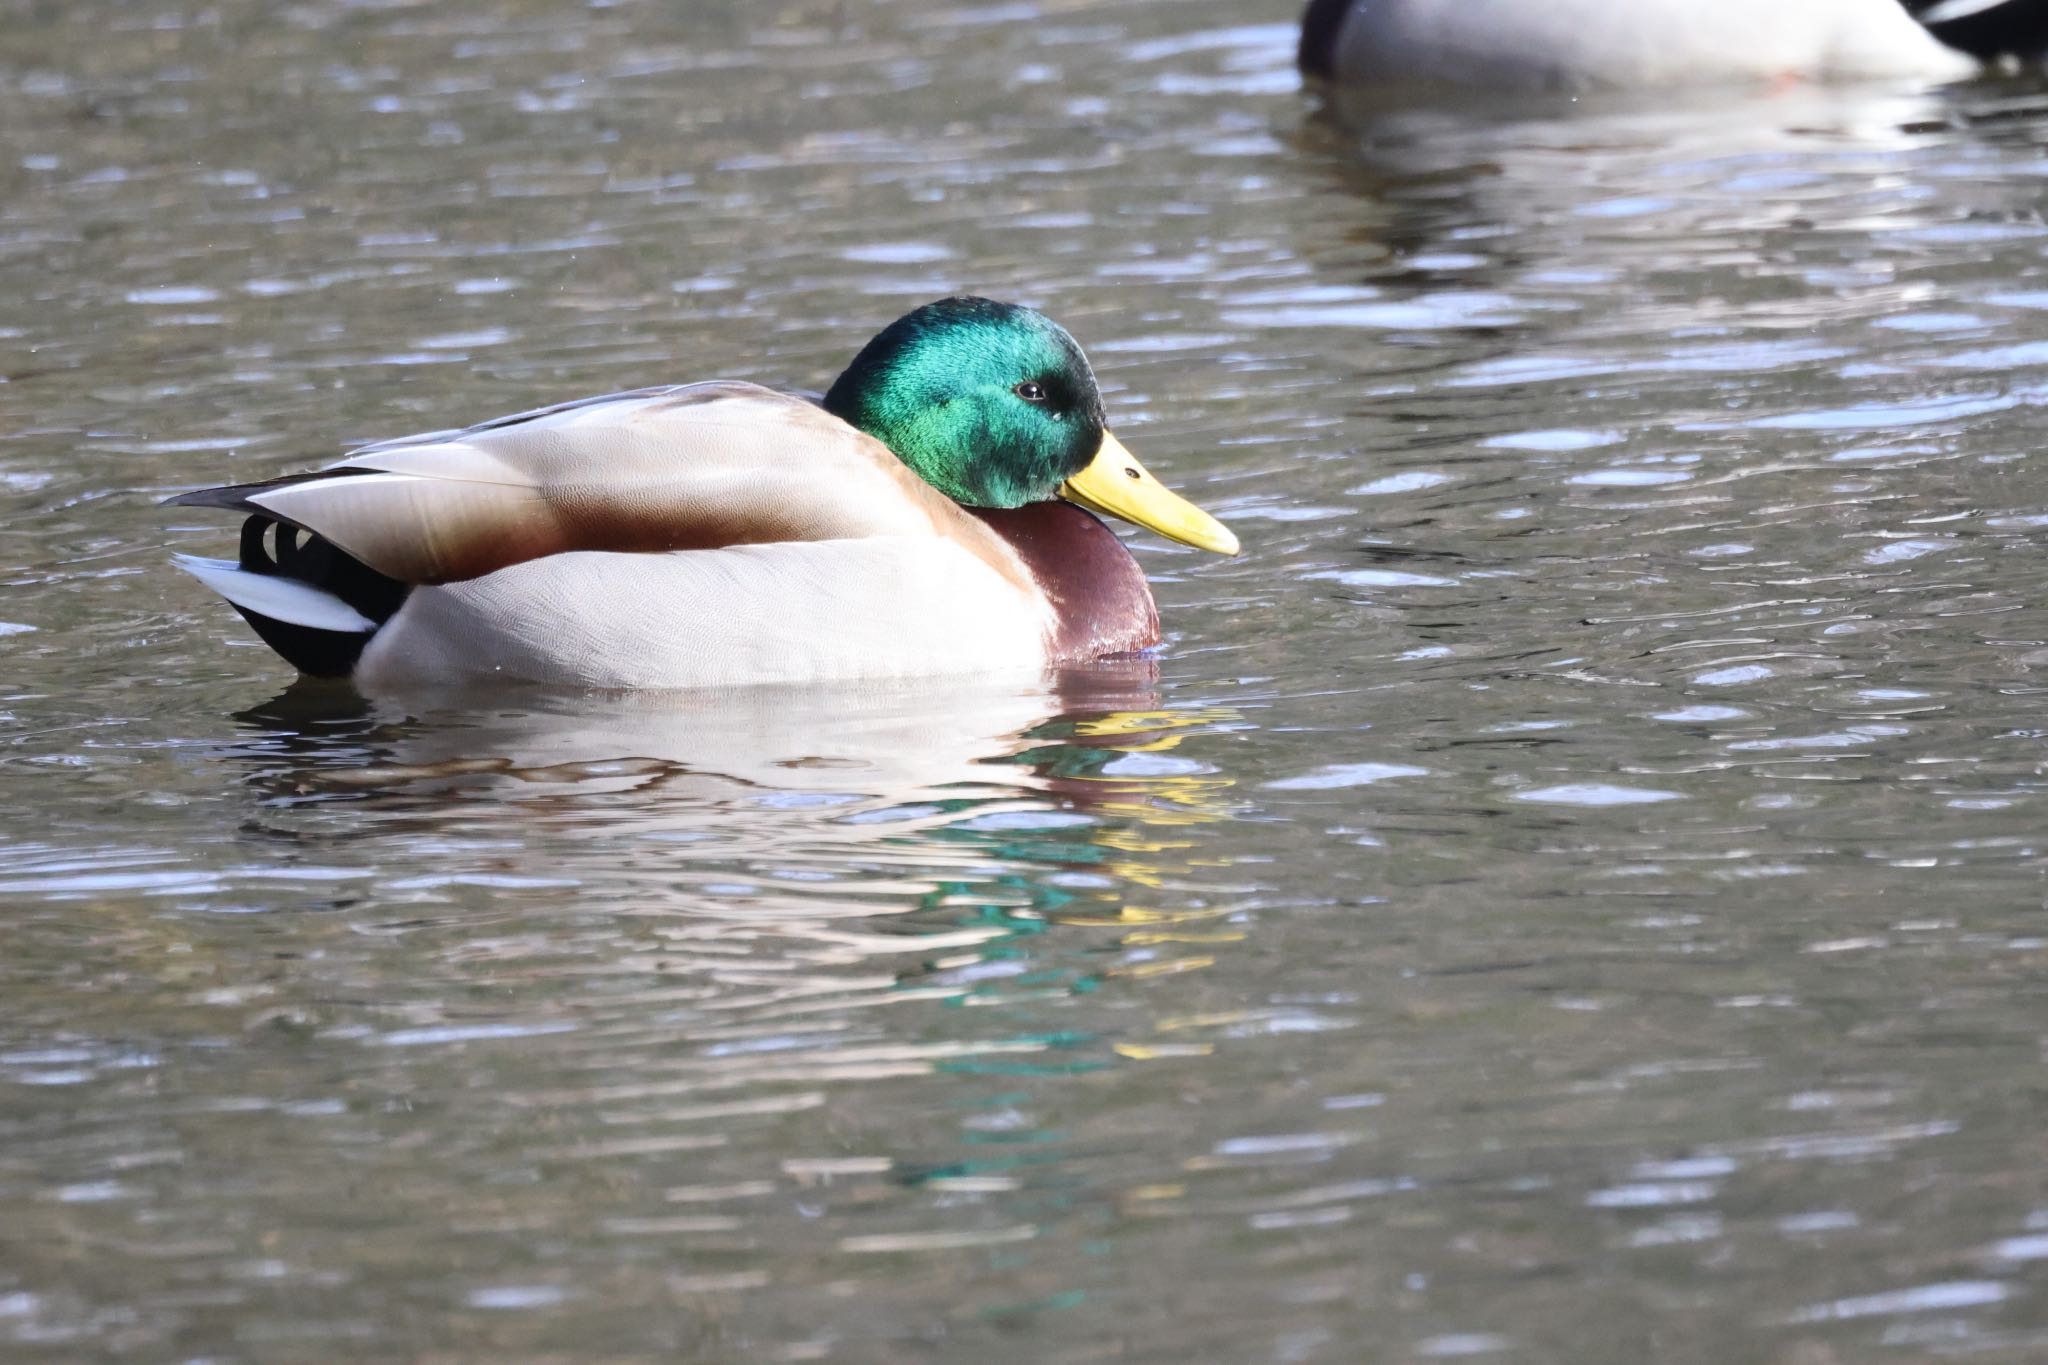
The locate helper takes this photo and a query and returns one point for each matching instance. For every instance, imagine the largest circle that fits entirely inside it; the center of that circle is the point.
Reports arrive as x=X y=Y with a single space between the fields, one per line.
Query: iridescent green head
x=992 y=404
x=995 y=406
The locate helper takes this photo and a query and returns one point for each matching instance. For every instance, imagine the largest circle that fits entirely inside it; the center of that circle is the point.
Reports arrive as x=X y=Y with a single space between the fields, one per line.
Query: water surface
x=1571 y=891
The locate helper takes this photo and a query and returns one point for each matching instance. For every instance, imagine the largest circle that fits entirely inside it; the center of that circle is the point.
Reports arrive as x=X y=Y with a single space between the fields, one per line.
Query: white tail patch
x=1957 y=9
x=277 y=597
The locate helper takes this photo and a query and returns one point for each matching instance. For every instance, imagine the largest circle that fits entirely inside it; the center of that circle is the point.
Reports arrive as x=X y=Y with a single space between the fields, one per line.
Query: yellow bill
x=1116 y=485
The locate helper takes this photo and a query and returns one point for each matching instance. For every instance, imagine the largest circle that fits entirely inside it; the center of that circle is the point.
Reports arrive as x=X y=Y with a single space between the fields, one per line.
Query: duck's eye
x=1031 y=391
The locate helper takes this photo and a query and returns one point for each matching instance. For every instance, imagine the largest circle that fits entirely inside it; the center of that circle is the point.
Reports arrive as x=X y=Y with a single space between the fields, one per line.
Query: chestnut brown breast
x=1101 y=602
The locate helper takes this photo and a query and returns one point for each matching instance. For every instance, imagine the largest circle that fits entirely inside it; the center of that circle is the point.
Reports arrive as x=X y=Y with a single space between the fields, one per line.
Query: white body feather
x=1582 y=44
x=798 y=612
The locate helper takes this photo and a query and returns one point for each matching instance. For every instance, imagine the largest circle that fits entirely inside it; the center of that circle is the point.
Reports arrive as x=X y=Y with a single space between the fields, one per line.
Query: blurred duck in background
x=1619 y=44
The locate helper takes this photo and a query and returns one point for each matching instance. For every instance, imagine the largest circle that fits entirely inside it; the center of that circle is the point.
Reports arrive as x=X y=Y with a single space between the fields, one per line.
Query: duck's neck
x=1100 y=600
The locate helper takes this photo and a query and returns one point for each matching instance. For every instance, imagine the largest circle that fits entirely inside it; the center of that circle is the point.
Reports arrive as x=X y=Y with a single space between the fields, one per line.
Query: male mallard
x=1578 y=44
x=723 y=533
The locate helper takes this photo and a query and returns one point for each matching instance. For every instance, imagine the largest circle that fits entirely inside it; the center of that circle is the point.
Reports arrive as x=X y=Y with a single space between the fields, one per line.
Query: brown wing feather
x=698 y=466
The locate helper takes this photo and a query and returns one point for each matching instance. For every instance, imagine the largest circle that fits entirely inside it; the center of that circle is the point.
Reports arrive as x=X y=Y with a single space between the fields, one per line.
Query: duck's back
x=1590 y=44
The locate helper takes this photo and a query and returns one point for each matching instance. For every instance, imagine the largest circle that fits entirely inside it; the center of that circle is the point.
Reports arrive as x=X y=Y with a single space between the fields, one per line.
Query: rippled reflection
x=1571 y=890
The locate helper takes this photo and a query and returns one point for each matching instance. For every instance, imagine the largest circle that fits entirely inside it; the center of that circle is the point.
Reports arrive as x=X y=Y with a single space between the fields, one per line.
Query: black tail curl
x=299 y=554
x=1320 y=22
x=2009 y=28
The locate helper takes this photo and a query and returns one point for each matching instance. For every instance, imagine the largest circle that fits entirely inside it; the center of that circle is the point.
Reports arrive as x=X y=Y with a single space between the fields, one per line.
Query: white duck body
x=801 y=612
x=693 y=536
x=1595 y=44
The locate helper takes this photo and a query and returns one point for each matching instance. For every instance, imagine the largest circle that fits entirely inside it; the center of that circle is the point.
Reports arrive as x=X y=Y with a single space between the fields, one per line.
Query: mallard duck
x=935 y=514
x=1581 y=44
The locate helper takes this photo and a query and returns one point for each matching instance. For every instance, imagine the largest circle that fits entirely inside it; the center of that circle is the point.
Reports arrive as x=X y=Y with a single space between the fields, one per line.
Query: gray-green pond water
x=1571 y=891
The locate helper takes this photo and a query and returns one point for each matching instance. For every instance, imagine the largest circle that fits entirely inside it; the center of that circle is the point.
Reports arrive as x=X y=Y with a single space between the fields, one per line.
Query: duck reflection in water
x=979 y=812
